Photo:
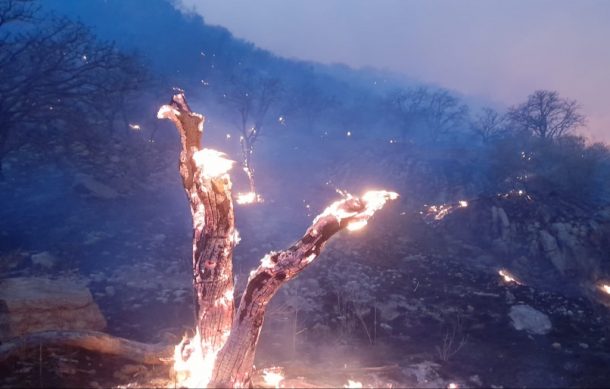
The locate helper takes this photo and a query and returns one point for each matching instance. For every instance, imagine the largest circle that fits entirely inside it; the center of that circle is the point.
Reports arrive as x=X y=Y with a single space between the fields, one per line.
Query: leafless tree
x=489 y=124
x=56 y=71
x=546 y=115
x=12 y=11
x=250 y=94
x=437 y=111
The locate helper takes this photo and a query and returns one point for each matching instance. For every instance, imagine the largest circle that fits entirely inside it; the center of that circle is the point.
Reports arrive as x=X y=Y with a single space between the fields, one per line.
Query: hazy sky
x=497 y=50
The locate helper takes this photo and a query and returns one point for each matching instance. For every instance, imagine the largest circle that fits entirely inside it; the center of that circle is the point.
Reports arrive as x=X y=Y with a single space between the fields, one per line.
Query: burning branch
x=278 y=267
x=224 y=348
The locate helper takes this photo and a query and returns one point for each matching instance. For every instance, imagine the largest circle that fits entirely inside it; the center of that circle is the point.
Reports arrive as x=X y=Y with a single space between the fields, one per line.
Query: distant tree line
x=54 y=73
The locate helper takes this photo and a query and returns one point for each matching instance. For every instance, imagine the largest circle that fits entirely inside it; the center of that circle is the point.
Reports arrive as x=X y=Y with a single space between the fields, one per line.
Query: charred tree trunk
x=209 y=194
x=211 y=206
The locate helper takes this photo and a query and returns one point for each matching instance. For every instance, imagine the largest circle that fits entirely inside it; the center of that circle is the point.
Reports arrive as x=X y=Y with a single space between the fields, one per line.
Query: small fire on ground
x=605 y=288
x=438 y=212
x=273 y=376
x=353 y=384
x=507 y=277
x=192 y=365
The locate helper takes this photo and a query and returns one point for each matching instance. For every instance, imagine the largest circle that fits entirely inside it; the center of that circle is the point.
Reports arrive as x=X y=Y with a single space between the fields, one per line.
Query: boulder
x=44 y=259
x=43 y=304
x=526 y=318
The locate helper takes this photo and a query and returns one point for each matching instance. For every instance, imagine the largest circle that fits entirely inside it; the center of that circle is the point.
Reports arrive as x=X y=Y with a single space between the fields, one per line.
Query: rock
x=84 y=183
x=44 y=259
x=552 y=251
x=529 y=319
x=42 y=304
x=110 y=291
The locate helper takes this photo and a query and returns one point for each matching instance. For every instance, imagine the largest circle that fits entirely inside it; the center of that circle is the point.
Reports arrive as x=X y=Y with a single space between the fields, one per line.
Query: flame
x=235 y=238
x=357 y=225
x=373 y=200
x=167 y=112
x=212 y=163
x=438 y=212
x=266 y=262
x=273 y=376
x=135 y=127
x=508 y=277
x=310 y=258
x=353 y=384
x=452 y=385
x=605 y=288
x=192 y=366
x=248 y=198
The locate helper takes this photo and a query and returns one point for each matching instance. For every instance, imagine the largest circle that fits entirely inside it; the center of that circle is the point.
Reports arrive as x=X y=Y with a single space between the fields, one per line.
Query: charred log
x=151 y=354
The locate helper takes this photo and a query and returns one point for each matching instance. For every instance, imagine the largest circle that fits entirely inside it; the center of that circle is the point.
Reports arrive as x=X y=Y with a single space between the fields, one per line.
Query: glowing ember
x=438 y=212
x=310 y=258
x=266 y=262
x=212 y=163
x=508 y=277
x=135 y=127
x=357 y=225
x=248 y=198
x=235 y=238
x=192 y=366
x=353 y=384
x=605 y=288
x=167 y=112
x=273 y=376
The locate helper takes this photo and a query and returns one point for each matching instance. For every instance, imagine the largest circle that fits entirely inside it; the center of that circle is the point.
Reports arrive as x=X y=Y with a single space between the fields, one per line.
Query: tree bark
x=213 y=229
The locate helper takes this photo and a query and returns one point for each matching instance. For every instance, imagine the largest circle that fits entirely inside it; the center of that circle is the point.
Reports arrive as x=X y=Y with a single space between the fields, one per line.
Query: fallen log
x=95 y=341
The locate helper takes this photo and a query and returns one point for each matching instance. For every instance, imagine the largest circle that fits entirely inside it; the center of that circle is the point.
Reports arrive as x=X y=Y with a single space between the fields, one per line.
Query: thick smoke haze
x=498 y=52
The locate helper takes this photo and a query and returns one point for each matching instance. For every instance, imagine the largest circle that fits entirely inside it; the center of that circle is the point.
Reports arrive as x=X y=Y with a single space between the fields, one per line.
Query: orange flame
x=508 y=277
x=212 y=163
x=373 y=200
x=273 y=376
x=192 y=365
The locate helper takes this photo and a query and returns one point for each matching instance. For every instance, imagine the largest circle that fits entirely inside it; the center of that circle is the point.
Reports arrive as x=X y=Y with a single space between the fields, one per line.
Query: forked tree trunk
x=209 y=196
x=213 y=230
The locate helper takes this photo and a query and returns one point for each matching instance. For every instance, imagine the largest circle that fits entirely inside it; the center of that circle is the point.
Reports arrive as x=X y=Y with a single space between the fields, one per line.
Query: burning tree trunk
x=208 y=190
x=228 y=345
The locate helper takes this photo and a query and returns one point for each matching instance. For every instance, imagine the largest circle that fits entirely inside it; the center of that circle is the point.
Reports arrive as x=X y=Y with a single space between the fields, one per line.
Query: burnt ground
x=445 y=317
